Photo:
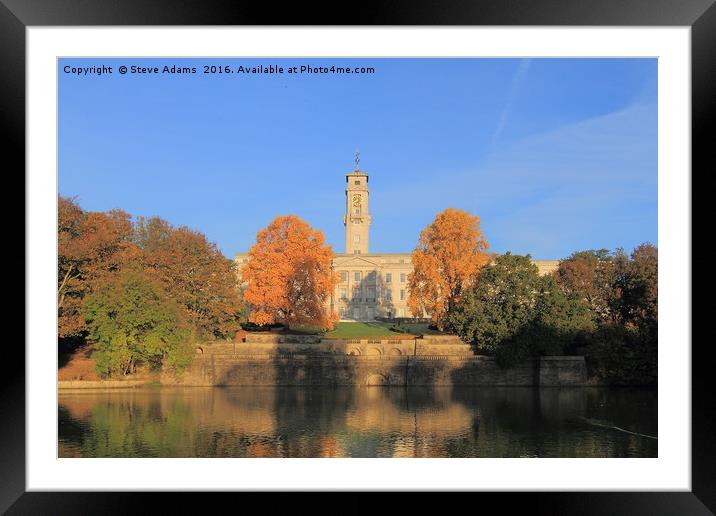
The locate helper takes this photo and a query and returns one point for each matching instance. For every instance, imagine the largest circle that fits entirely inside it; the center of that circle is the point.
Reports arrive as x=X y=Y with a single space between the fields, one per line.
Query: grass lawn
x=357 y=330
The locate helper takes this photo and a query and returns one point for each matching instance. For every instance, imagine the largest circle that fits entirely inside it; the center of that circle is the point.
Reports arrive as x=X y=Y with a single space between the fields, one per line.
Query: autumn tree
x=592 y=275
x=639 y=288
x=289 y=276
x=91 y=246
x=132 y=322
x=194 y=273
x=449 y=255
x=69 y=294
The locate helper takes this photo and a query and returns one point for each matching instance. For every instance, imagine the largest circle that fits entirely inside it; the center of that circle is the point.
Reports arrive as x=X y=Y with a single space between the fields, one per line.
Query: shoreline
x=101 y=384
x=87 y=385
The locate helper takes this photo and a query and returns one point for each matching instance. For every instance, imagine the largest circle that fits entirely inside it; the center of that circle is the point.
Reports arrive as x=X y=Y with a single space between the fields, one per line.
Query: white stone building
x=372 y=285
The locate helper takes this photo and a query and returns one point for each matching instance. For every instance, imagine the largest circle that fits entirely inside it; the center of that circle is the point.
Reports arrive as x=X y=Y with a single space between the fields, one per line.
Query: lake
x=358 y=422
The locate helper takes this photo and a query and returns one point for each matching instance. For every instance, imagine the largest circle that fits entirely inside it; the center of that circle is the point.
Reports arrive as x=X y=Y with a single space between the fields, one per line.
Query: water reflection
x=358 y=422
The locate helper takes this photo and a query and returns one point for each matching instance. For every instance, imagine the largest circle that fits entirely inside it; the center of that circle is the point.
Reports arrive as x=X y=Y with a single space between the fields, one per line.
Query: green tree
x=512 y=312
x=131 y=321
x=559 y=319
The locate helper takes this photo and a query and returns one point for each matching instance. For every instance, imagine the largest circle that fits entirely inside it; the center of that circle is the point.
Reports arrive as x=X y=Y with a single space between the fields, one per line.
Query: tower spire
x=357 y=158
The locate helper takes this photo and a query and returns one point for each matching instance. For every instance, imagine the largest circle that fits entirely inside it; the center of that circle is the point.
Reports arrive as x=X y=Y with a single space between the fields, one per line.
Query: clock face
x=356 y=200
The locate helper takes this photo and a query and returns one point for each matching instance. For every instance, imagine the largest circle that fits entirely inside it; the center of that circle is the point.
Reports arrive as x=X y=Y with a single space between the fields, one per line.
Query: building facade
x=371 y=285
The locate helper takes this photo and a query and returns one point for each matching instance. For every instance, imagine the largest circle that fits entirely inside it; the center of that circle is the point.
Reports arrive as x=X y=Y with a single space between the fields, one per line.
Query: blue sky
x=554 y=155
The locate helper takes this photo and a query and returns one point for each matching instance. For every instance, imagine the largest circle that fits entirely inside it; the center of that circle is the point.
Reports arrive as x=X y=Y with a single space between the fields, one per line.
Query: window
x=371 y=294
x=344 y=293
x=356 y=294
x=357 y=182
x=388 y=295
x=356 y=275
x=402 y=277
x=402 y=295
x=357 y=211
x=356 y=251
x=356 y=239
x=344 y=276
x=388 y=277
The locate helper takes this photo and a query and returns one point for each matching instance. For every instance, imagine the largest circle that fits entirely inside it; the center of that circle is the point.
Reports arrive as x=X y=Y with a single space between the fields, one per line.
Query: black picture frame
x=699 y=15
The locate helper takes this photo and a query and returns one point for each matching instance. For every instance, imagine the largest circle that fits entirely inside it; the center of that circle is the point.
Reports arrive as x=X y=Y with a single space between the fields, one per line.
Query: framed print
x=413 y=251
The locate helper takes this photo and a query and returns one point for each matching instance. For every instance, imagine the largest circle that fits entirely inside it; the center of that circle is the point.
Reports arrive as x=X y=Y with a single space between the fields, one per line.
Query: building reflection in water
x=357 y=422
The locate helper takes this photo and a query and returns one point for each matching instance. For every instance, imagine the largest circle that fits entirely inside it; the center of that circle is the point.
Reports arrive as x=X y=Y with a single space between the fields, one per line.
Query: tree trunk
x=60 y=294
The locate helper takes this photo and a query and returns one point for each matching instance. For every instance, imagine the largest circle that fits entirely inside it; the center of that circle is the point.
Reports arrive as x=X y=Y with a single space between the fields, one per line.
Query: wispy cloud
x=515 y=86
x=589 y=184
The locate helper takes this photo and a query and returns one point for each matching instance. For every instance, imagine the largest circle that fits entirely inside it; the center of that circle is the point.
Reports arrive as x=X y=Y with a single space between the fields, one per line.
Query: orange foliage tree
x=289 y=275
x=91 y=246
x=449 y=255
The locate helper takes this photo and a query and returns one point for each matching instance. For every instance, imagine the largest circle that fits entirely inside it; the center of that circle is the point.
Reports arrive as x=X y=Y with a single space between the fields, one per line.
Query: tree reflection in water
x=357 y=422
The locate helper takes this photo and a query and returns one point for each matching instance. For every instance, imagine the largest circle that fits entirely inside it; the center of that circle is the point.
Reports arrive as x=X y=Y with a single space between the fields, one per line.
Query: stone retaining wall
x=341 y=369
x=274 y=359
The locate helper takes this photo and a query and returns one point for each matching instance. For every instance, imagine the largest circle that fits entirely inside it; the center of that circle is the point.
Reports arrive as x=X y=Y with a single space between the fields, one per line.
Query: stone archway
x=354 y=352
x=376 y=352
x=395 y=352
x=377 y=379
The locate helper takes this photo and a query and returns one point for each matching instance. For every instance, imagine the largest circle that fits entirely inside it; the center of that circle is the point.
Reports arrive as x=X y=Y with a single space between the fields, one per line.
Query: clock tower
x=357 y=217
